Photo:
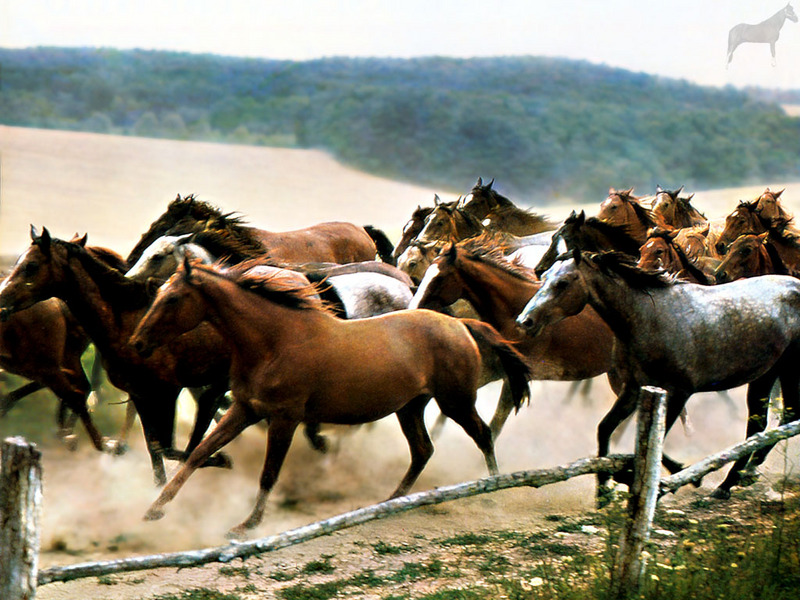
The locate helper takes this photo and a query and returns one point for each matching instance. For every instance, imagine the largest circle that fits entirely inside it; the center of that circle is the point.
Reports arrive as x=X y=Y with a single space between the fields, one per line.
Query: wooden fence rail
x=25 y=570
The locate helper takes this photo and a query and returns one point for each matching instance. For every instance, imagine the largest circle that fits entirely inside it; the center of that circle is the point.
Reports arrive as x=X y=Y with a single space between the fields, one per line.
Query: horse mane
x=619 y=264
x=644 y=214
x=489 y=249
x=504 y=207
x=185 y=215
x=123 y=291
x=232 y=243
x=268 y=285
x=108 y=256
x=617 y=234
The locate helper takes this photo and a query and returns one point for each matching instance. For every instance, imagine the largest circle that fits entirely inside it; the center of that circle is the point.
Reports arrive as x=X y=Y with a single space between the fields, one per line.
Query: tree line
x=544 y=127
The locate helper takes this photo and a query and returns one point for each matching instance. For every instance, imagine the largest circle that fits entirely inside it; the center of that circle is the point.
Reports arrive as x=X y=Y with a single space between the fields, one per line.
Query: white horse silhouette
x=766 y=32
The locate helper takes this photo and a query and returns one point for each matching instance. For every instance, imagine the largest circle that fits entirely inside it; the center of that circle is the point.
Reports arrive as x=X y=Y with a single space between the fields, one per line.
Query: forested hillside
x=542 y=127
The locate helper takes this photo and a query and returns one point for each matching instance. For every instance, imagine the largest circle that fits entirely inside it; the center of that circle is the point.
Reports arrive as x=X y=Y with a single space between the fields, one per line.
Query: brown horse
x=108 y=306
x=412 y=228
x=447 y=222
x=476 y=270
x=675 y=212
x=336 y=242
x=623 y=209
x=293 y=362
x=771 y=252
x=499 y=214
x=44 y=343
x=660 y=251
x=755 y=216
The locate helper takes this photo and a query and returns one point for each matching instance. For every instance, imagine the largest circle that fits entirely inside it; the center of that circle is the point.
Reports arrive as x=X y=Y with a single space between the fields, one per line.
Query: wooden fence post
x=20 y=511
x=644 y=492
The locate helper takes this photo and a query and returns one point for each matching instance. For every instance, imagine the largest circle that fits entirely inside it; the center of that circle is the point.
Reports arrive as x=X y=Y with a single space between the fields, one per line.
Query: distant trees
x=543 y=127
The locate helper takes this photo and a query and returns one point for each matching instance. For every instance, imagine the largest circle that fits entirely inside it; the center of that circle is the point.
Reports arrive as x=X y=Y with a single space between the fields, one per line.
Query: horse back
x=335 y=242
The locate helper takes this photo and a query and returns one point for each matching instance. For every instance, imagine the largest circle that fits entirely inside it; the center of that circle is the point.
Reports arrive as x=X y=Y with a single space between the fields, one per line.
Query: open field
x=112 y=188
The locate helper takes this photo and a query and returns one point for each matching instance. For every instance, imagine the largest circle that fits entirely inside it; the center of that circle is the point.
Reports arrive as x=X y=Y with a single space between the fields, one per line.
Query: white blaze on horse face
x=430 y=275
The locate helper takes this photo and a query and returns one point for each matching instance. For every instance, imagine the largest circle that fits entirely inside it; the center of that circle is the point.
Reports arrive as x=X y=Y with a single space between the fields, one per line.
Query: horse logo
x=766 y=32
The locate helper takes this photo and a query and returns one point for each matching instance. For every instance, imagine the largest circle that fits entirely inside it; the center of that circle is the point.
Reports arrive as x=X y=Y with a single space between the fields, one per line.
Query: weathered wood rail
x=19 y=521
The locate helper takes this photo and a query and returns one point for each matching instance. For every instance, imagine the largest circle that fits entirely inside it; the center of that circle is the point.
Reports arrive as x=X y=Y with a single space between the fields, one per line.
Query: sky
x=679 y=39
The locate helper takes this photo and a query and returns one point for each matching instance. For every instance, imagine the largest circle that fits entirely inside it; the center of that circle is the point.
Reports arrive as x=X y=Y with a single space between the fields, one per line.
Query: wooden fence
x=21 y=498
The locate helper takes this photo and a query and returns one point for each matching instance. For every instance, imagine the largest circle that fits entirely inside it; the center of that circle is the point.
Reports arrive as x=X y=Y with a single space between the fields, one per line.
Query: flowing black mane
x=185 y=215
x=618 y=264
x=595 y=235
x=232 y=243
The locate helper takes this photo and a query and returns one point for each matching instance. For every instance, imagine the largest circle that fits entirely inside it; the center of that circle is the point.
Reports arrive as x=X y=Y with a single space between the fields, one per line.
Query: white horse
x=766 y=32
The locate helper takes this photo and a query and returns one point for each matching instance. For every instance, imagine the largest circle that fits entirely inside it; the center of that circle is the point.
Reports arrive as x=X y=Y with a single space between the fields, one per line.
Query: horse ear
x=187 y=265
x=680 y=189
x=82 y=240
x=777 y=195
x=581 y=217
x=436 y=200
x=42 y=240
x=576 y=255
x=449 y=252
x=659 y=189
x=479 y=183
x=489 y=185
x=762 y=237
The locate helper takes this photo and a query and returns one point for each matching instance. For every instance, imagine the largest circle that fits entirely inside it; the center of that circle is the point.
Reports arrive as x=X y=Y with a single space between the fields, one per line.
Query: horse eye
x=31 y=268
x=157 y=258
x=171 y=300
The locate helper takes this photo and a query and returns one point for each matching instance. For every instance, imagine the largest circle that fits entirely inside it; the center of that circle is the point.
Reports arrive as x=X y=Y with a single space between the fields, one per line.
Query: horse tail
x=382 y=243
x=517 y=372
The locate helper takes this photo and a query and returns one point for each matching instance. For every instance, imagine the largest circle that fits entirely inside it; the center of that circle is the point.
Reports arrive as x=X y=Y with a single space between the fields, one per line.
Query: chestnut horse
x=476 y=270
x=746 y=332
x=754 y=216
x=412 y=228
x=675 y=212
x=661 y=251
x=336 y=242
x=750 y=255
x=294 y=363
x=108 y=306
x=623 y=209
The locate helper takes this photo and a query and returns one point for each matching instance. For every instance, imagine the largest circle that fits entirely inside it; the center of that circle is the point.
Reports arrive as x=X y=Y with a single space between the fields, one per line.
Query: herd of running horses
x=334 y=324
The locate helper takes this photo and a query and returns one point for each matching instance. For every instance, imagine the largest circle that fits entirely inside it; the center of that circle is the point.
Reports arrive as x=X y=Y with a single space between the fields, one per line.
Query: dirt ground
x=112 y=188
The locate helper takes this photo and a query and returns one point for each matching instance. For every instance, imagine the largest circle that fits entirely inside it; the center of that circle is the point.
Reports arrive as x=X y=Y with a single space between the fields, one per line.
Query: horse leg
x=232 y=424
x=504 y=407
x=208 y=400
x=279 y=437
x=412 y=423
x=772 y=50
x=757 y=413
x=11 y=399
x=462 y=410
x=790 y=381
x=623 y=407
x=153 y=431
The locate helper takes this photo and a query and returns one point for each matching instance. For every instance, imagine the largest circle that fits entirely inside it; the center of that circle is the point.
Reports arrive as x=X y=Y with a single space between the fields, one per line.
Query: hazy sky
x=680 y=38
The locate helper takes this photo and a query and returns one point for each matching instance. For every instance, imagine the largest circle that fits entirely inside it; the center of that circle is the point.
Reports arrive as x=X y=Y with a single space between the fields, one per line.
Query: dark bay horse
x=44 y=343
x=337 y=242
x=447 y=222
x=499 y=214
x=746 y=332
x=108 y=306
x=589 y=234
x=476 y=270
x=295 y=363
x=623 y=209
x=766 y=32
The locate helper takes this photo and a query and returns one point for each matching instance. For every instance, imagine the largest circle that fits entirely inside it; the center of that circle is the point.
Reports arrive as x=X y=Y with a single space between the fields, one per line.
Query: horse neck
x=105 y=303
x=785 y=256
x=498 y=296
x=777 y=20
x=254 y=327
x=624 y=310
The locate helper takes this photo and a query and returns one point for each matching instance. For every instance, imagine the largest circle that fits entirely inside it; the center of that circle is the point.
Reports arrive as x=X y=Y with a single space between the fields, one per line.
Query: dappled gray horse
x=766 y=32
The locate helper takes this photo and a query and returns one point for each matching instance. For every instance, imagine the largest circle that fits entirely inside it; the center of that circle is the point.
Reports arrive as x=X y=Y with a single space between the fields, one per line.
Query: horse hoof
x=721 y=494
x=115 y=447
x=70 y=442
x=153 y=514
x=237 y=533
